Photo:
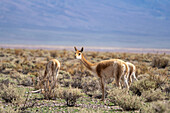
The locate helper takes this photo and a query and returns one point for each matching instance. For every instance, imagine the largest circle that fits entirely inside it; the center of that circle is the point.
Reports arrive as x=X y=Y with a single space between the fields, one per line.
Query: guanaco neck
x=87 y=63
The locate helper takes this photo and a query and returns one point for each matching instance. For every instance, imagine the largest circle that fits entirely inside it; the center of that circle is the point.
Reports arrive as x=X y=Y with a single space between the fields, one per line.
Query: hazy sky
x=123 y=23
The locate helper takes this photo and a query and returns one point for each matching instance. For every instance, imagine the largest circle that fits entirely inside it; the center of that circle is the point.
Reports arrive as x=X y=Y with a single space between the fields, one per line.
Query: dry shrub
x=156 y=107
x=159 y=79
x=160 y=62
x=76 y=82
x=27 y=66
x=64 y=78
x=18 y=52
x=90 y=85
x=40 y=53
x=53 y=54
x=143 y=85
x=141 y=69
x=161 y=107
x=22 y=79
x=70 y=95
x=124 y=100
x=12 y=94
x=114 y=95
x=8 y=109
x=153 y=95
x=8 y=65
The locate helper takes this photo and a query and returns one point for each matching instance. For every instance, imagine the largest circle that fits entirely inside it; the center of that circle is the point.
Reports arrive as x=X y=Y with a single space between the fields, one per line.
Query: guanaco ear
x=82 y=49
x=75 y=48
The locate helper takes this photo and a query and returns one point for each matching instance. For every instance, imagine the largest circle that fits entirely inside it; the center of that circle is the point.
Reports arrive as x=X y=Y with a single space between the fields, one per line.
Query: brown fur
x=86 y=63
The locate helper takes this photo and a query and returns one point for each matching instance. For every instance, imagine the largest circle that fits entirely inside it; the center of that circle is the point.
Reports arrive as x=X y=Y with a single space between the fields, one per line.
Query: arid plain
x=78 y=90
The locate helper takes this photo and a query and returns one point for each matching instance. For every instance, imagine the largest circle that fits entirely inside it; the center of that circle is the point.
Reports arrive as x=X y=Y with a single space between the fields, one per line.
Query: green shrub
x=124 y=100
x=12 y=94
x=153 y=95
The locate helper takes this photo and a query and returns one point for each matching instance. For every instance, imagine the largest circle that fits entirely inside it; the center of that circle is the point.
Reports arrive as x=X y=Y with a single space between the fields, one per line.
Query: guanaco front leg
x=102 y=83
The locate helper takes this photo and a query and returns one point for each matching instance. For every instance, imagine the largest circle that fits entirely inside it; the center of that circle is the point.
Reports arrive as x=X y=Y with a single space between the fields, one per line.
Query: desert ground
x=78 y=90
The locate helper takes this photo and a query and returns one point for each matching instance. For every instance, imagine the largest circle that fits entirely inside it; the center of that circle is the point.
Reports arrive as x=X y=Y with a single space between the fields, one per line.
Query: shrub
x=22 y=79
x=6 y=80
x=53 y=54
x=114 y=95
x=153 y=95
x=128 y=102
x=18 y=52
x=159 y=79
x=142 y=85
x=141 y=69
x=161 y=107
x=156 y=107
x=160 y=62
x=8 y=109
x=8 y=65
x=76 y=82
x=70 y=95
x=90 y=84
x=11 y=94
x=64 y=78
x=124 y=100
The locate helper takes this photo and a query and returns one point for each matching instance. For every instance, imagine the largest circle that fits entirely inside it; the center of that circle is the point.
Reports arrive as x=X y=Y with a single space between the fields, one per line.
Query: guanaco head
x=78 y=53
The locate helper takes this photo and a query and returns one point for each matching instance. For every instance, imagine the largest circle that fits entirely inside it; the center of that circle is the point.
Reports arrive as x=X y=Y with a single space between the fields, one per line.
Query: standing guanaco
x=106 y=69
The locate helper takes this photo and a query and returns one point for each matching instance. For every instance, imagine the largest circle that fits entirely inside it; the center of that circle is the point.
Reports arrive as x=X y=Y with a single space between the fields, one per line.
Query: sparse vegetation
x=21 y=70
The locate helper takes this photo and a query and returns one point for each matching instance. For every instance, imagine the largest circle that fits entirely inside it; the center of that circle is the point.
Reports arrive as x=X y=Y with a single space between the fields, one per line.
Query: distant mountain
x=113 y=20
